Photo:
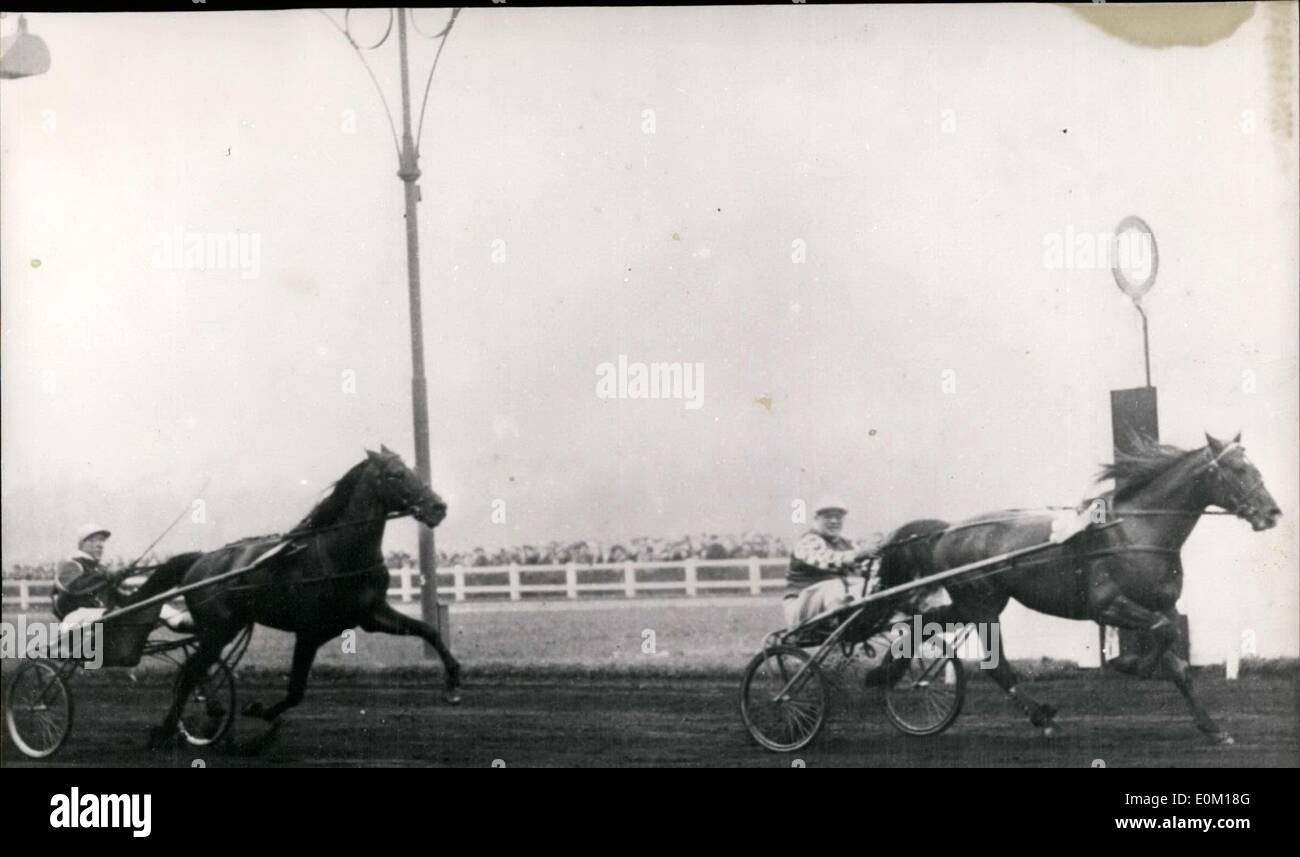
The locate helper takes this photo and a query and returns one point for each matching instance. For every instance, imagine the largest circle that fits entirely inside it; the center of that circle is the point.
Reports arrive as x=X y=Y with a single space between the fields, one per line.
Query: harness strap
x=321 y=578
x=1131 y=549
x=322 y=556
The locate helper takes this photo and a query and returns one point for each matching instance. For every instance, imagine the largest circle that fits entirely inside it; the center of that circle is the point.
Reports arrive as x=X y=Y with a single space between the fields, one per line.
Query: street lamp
x=408 y=170
x=22 y=54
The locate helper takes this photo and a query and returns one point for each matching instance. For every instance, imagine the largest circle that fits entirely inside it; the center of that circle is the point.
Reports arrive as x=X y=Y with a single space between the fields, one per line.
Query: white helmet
x=91 y=530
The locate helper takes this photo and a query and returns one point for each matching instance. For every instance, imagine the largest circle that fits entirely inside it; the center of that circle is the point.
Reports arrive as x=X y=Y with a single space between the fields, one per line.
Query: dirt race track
x=372 y=719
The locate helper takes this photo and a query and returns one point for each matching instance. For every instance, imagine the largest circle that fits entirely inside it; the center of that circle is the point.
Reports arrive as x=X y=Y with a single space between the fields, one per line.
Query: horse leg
x=304 y=654
x=1180 y=672
x=384 y=619
x=1040 y=714
x=982 y=602
x=195 y=667
x=1121 y=611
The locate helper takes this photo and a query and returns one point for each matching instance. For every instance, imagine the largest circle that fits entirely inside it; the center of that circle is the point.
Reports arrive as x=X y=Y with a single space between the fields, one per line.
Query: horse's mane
x=1137 y=469
x=330 y=510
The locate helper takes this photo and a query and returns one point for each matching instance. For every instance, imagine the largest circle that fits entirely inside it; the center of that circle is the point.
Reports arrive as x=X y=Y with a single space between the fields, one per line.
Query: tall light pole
x=409 y=172
x=408 y=159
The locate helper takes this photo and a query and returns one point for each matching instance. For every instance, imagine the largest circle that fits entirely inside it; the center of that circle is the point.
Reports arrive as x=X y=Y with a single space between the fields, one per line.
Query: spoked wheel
x=210 y=709
x=779 y=715
x=923 y=695
x=38 y=709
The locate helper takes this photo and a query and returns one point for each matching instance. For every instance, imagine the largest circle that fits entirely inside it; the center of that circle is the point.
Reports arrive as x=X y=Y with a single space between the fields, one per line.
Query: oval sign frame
x=1127 y=286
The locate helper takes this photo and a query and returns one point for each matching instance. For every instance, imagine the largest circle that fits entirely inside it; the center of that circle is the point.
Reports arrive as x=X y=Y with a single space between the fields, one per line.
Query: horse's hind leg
x=384 y=619
x=304 y=654
x=195 y=667
x=1040 y=714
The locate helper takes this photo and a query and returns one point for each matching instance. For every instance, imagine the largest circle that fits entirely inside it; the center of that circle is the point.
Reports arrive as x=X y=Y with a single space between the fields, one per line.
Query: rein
x=296 y=535
x=1128 y=513
x=245 y=587
x=1174 y=513
x=1241 y=502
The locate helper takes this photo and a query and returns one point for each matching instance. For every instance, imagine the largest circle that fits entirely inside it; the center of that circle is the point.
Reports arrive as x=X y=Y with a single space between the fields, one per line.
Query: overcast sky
x=924 y=359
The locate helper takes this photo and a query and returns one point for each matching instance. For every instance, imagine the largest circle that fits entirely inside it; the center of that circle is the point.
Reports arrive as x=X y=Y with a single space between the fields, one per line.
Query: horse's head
x=1233 y=482
x=401 y=490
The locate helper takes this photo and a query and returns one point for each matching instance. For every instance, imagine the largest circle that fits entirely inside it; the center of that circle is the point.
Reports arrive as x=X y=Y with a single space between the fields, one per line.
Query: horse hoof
x=1049 y=731
x=452 y=697
x=1222 y=739
x=258 y=744
x=1126 y=664
x=1042 y=717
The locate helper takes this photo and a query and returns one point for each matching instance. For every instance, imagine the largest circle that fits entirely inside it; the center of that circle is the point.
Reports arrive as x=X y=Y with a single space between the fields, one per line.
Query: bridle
x=409 y=507
x=1242 y=501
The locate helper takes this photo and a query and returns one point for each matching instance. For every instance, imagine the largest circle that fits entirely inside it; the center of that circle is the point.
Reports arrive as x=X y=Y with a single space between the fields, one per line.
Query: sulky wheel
x=923 y=695
x=781 y=716
x=210 y=708
x=38 y=709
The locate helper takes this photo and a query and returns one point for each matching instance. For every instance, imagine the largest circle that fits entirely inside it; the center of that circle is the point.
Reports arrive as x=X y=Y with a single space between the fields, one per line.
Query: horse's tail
x=167 y=576
x=908 y=553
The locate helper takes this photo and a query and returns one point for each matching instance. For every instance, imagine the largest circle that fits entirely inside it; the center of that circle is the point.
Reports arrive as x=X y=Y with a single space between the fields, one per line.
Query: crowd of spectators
x=710 y=546
x=45 y=570
x=707 y=546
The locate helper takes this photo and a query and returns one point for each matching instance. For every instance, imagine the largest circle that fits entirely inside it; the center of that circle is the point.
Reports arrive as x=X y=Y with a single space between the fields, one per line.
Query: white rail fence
x=514 y=582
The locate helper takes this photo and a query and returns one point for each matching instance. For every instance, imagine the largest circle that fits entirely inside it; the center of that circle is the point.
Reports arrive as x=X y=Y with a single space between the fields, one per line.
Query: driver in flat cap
x=822 y=566
x=81 y=582
x=84 y=589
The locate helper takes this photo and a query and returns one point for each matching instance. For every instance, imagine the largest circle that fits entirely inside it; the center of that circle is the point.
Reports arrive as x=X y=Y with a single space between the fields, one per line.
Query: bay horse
x=1126 y=572
x=328 y=577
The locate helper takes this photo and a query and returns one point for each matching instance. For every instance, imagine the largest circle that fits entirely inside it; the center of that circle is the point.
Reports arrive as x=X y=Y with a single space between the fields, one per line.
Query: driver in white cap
x=823 y=566
x=84 y=588
x=81 y=581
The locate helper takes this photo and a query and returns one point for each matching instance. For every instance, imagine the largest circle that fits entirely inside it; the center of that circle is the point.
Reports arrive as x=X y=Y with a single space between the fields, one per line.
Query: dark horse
x=317 y=586
x=1127 y=574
